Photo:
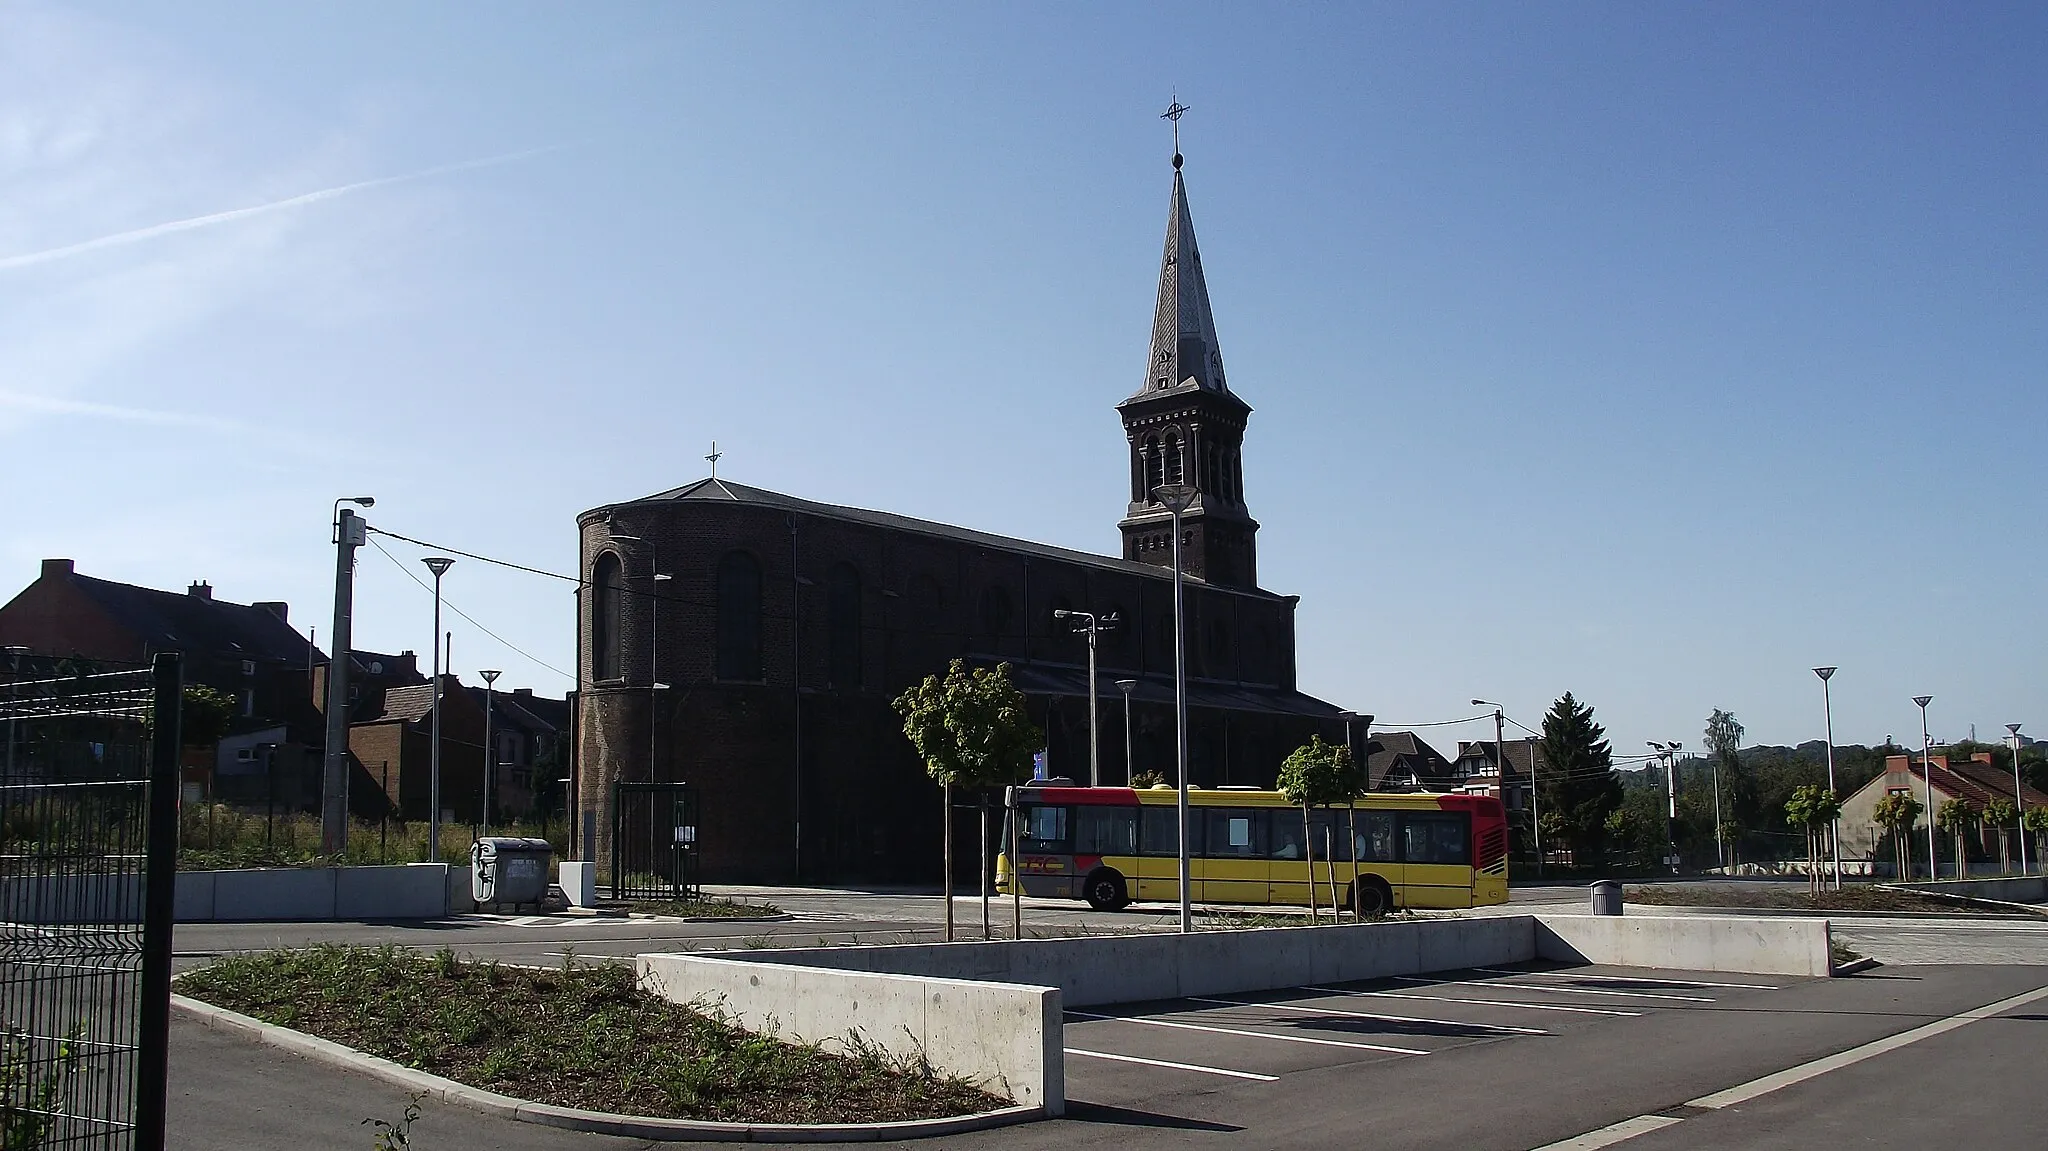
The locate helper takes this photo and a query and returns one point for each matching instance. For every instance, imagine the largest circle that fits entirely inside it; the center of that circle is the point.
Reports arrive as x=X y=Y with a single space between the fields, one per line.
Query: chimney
x=517 y=691
x=202 y=589
x=278 y=608
x=56 y=568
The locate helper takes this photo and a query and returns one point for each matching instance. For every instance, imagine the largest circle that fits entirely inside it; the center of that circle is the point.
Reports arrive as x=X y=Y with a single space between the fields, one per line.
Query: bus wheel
x=1371 y=897
x=1105 y=891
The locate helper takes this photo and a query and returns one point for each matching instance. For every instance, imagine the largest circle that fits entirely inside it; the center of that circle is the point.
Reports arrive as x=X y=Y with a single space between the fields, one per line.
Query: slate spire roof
x=1184 y=347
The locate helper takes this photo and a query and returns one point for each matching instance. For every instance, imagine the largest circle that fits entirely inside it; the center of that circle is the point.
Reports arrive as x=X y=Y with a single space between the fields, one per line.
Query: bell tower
x=1186 y=426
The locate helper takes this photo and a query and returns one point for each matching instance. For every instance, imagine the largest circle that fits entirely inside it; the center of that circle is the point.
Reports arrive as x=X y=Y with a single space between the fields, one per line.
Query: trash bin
x=1606 y=897
x=509 y=869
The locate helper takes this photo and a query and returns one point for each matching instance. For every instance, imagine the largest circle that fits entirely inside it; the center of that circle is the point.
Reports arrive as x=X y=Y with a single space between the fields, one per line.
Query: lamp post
x=1500 y=750
x=350 y=532
x=1827 y=704
x=1927 y=784
x=1089 y=626
x=439 y=565
x=2019 y=795
x=490 y=749
x=1177 y=498
x=1669 y=754
x=1127 y=686
x=654 y=684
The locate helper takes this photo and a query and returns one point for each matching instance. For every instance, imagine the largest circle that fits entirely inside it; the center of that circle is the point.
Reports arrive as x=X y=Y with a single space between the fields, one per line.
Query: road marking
x=1174 y=1023
x=1174 y=1066
x=1478 y=1002
x=1630 y=978
x=1613 y=1133
x=1549 y=990
x=1368 y=1015
x=1744 y=1092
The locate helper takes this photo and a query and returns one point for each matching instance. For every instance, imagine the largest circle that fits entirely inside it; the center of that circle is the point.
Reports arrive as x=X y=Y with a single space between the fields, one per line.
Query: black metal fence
x=88 y=856
x=654 y=841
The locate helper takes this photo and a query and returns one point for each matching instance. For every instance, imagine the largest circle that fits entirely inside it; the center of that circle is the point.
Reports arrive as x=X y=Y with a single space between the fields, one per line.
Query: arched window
x=739 y=617
x=608 y=593
x=1155 y=467
x=842 y=626
x=1170 y=447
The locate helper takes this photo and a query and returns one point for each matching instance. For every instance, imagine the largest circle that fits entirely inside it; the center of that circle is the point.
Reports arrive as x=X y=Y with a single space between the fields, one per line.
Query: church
x=749 y=643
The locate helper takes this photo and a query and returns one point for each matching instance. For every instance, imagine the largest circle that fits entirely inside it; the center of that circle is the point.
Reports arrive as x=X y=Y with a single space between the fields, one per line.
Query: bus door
x=1233 y=865
x=1436 y=856
x=1375 y=847
x=1158 y=878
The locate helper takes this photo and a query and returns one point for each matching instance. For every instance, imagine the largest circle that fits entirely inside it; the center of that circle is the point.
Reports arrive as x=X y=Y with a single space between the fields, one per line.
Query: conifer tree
x=1581 y=788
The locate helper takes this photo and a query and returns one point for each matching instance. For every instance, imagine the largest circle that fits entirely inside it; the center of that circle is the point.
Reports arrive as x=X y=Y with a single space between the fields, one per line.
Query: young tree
x=2035 y=820
x=2001 y=815
x=1897 y=813
x=1581 y=787
x=1956 y=817
x=1735 y=786
x=971 y=729
x=1318 y=774
x=1813 y=809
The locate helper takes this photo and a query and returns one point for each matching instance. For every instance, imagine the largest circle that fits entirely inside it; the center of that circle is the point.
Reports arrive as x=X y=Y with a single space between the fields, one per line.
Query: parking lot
x=1131 y=1054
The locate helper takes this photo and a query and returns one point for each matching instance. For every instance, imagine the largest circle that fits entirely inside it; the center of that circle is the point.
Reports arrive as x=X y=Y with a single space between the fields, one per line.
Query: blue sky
x=1657 y=353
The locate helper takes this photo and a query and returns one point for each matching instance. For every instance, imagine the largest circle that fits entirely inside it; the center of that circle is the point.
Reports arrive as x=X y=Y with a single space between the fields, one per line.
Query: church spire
x=1184 y=348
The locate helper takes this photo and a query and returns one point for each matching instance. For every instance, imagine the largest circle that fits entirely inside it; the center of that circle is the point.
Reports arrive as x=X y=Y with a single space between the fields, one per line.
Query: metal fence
x=88 y=856
x=654 y=841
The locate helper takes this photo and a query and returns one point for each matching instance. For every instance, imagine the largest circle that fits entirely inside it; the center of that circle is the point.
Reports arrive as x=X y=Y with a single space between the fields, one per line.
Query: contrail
x=30 y=259
x=53 y=406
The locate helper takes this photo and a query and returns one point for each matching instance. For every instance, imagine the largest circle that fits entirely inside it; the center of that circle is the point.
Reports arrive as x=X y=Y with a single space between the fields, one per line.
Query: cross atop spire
x=1174 y=112
x=1184 y=344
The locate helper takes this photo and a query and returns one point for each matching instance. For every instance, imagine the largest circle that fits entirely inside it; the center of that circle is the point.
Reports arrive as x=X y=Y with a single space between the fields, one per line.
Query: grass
x=218 y=836
x=580 y=1035
x=1857 y=897
x=704 y=908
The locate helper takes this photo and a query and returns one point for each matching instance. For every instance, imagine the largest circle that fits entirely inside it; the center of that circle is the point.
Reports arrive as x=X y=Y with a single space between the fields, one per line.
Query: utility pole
x=490 y=749
x=1089 y=626
x=350 y=533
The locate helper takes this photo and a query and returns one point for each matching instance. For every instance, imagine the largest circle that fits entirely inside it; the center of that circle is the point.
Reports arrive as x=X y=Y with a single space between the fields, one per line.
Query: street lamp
x=1669 y=754
x=654 y=684
x=348 y=534
x=1088 y=625
x=439 y=565
x=1828 y=707
x=1127 y=686
x=1927 y=784
x=1177 y=498
x=2019 y=795
x=1500 y=752
x=490 y=750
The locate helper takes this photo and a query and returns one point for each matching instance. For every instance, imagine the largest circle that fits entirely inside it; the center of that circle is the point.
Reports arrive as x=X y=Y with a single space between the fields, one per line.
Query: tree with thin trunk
x=1897 y=813
x=2001 y=816
x=1733 y=787
x=1813 y=809
x=2034 y=820
x=1317 y=774
x=971 y=729
x=1956 y=817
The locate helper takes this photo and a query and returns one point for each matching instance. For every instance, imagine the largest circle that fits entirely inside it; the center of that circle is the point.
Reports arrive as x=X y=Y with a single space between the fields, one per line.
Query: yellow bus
x=1114 y=846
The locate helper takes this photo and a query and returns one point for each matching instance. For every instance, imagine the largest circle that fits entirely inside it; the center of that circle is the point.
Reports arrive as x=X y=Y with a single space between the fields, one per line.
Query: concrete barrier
x=579 y=883
x=252 y=895
x=1775 y=946
x=1003 y=1036
x=2011 y=889
x=408 y=891
x=71 y=899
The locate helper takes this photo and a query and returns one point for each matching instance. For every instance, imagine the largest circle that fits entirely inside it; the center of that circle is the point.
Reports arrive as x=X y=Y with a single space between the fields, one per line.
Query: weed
x=396 y=1136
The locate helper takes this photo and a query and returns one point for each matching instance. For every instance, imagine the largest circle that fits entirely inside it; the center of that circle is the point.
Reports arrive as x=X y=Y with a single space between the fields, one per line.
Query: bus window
x=1439 y=837
x=1159 y=830
x=1375 y=837
x=1286 y=837
x=1045 y=829
x=1233 y=832
x=1105 y=830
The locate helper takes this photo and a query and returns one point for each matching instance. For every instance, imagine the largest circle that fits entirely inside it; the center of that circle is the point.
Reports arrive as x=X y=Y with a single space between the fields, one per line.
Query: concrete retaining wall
x=1775 y=946
x=1004 y=1036
x=255 y=895
x=1136 y=968
x=2013 y=889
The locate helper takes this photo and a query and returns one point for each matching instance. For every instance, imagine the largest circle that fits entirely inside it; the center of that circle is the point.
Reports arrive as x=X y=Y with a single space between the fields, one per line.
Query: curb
x=1938 y=916
x=1854 y=967
x=2028 y=910
x=785 y=917
x=578 y=1119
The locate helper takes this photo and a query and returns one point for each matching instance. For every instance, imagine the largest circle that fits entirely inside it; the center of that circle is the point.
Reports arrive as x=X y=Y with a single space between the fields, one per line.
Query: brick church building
x=749 y=642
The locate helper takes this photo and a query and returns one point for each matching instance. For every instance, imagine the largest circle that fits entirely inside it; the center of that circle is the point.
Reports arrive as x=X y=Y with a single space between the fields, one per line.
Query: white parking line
x=1174 y=1066
x=1478 y=1002
x=1613 y=1133
x=1369 y=1015
x=1550 y=990
x=1629 y=978
x=1174 y=1023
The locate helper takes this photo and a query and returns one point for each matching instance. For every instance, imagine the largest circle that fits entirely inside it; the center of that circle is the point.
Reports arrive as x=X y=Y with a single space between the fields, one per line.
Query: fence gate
x=654 y=841
x=88 y=856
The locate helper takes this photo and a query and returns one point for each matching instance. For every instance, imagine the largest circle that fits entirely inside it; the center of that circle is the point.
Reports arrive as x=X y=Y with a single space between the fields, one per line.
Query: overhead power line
x=465 y=615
